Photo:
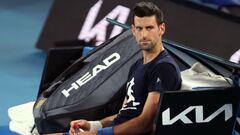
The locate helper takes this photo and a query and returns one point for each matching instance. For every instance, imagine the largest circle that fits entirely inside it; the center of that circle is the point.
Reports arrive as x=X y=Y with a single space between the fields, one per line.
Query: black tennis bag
x=91 y=88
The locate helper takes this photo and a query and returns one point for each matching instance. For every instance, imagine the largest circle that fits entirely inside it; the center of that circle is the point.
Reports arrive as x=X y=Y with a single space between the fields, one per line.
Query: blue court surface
x=21 y=64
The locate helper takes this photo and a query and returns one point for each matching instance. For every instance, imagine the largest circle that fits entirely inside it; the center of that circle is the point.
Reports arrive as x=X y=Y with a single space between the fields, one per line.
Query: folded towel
x=21 y=118
x=199 y=76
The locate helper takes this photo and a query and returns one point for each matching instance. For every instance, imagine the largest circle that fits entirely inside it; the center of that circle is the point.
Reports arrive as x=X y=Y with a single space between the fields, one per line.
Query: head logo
x=107 y=62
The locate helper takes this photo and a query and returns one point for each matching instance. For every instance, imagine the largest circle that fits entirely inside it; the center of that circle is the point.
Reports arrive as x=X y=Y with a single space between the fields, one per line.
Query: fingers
x=71 y=131
x=85 y=133
x=83 y=124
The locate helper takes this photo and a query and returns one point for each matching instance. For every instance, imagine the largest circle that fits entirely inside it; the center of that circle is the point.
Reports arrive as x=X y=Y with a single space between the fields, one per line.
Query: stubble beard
x=146 y=47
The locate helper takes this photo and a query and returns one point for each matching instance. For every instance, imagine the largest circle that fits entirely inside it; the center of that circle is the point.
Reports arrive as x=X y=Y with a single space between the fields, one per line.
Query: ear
x=162 y=28
x=133 y=30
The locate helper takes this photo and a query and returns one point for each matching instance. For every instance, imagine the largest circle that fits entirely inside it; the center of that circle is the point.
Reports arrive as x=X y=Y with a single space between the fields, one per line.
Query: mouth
x=145 y=42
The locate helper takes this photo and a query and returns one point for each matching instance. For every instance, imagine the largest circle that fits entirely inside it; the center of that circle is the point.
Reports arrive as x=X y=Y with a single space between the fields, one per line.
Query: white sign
x=89 y=32
x=227 y=109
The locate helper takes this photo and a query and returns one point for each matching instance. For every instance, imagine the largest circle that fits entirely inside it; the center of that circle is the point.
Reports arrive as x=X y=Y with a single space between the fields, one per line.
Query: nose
x=144 y=33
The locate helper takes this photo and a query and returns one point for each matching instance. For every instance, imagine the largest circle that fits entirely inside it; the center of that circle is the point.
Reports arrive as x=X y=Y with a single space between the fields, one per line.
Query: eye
x=138 y=28
x=149 y=28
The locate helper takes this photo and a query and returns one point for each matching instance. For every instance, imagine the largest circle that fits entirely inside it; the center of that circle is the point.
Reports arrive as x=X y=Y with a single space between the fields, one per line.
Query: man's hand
x=85 y=133
x=83 y=124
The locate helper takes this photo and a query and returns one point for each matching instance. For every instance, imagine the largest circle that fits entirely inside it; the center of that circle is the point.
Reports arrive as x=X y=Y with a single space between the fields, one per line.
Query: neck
x=148 y=56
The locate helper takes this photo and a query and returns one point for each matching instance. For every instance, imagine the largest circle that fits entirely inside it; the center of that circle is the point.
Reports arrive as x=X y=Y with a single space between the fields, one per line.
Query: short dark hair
x=147 y=8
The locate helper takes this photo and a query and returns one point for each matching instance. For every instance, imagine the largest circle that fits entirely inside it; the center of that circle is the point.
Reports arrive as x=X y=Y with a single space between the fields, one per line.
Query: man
x=148 y=77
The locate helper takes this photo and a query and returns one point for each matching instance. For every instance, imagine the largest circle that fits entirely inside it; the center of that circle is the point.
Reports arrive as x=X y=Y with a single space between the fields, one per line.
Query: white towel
x=200 y=76
x=21 y=118
x=20 y=128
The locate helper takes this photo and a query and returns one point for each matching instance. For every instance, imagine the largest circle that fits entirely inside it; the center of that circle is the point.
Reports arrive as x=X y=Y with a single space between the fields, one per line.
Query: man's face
x=147 y=32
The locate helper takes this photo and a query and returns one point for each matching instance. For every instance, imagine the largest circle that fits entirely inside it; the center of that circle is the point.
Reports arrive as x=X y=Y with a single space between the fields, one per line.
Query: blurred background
x=21 y=64
x=28 y=28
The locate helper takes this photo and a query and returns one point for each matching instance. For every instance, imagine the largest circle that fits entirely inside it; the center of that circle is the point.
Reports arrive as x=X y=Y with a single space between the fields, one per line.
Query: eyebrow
x=149 y=26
